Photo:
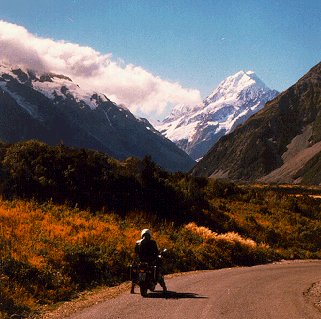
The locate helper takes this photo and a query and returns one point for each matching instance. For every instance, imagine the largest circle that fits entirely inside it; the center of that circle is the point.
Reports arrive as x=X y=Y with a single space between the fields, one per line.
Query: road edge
x=92 y=297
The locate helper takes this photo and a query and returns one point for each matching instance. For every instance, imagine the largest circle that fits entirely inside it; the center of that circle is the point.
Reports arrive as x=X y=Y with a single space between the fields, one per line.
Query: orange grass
x=49 y=252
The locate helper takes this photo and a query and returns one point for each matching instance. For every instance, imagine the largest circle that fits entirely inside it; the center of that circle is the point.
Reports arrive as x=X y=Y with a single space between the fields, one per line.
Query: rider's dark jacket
x=146 y=249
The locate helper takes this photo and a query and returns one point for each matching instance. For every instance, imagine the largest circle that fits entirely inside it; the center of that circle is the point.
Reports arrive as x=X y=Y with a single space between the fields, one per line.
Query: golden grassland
x=49 y=253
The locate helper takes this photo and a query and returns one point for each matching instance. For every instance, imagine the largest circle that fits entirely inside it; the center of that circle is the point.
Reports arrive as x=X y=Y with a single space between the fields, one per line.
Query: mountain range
x=281 y=143
x=54 y=109
x=196 y=129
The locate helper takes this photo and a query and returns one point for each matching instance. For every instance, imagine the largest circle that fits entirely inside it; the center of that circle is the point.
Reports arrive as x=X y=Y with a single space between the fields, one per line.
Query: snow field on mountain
x=234 y=100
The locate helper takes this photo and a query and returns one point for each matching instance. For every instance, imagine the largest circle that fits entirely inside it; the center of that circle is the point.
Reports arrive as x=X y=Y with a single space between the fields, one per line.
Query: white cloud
x=131 y=85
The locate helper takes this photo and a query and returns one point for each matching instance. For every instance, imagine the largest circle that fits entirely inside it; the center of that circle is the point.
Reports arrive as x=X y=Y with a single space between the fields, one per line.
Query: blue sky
x=196 y=43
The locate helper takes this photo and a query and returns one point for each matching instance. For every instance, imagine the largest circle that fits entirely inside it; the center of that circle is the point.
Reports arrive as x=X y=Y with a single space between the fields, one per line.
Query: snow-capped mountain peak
x=234 y=84
x=197 y=128
x=53 y=86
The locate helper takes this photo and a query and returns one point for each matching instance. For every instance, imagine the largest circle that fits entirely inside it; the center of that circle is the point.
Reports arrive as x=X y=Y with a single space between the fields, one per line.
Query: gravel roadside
x=84 y=300
x=313 y=295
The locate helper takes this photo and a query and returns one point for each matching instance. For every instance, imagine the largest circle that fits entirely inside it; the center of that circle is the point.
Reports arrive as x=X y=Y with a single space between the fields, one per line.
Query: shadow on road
x=175 y=295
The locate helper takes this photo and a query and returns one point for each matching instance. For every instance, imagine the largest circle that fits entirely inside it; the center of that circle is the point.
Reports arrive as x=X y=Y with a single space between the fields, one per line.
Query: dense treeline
x=90 y=179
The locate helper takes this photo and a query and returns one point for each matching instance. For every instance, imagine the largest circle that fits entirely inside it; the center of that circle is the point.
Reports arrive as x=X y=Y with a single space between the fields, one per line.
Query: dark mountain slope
x=51 y=108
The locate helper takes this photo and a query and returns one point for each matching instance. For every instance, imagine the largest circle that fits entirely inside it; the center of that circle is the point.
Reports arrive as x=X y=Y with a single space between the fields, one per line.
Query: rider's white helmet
x=146 y=232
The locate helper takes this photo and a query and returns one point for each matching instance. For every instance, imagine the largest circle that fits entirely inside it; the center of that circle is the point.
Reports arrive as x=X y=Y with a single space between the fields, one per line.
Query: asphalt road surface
x=274 y=291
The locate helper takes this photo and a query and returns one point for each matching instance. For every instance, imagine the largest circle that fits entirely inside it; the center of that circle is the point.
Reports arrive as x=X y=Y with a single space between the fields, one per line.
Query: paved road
x=272 y=291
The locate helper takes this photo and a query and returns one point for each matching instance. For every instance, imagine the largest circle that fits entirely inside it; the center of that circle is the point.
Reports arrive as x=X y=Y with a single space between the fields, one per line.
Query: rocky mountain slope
x=281 y=143
x=53 y=109
x=197 y=129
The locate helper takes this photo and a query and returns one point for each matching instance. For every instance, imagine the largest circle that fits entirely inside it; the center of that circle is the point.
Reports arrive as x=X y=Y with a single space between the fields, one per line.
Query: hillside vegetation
x=69 y=220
